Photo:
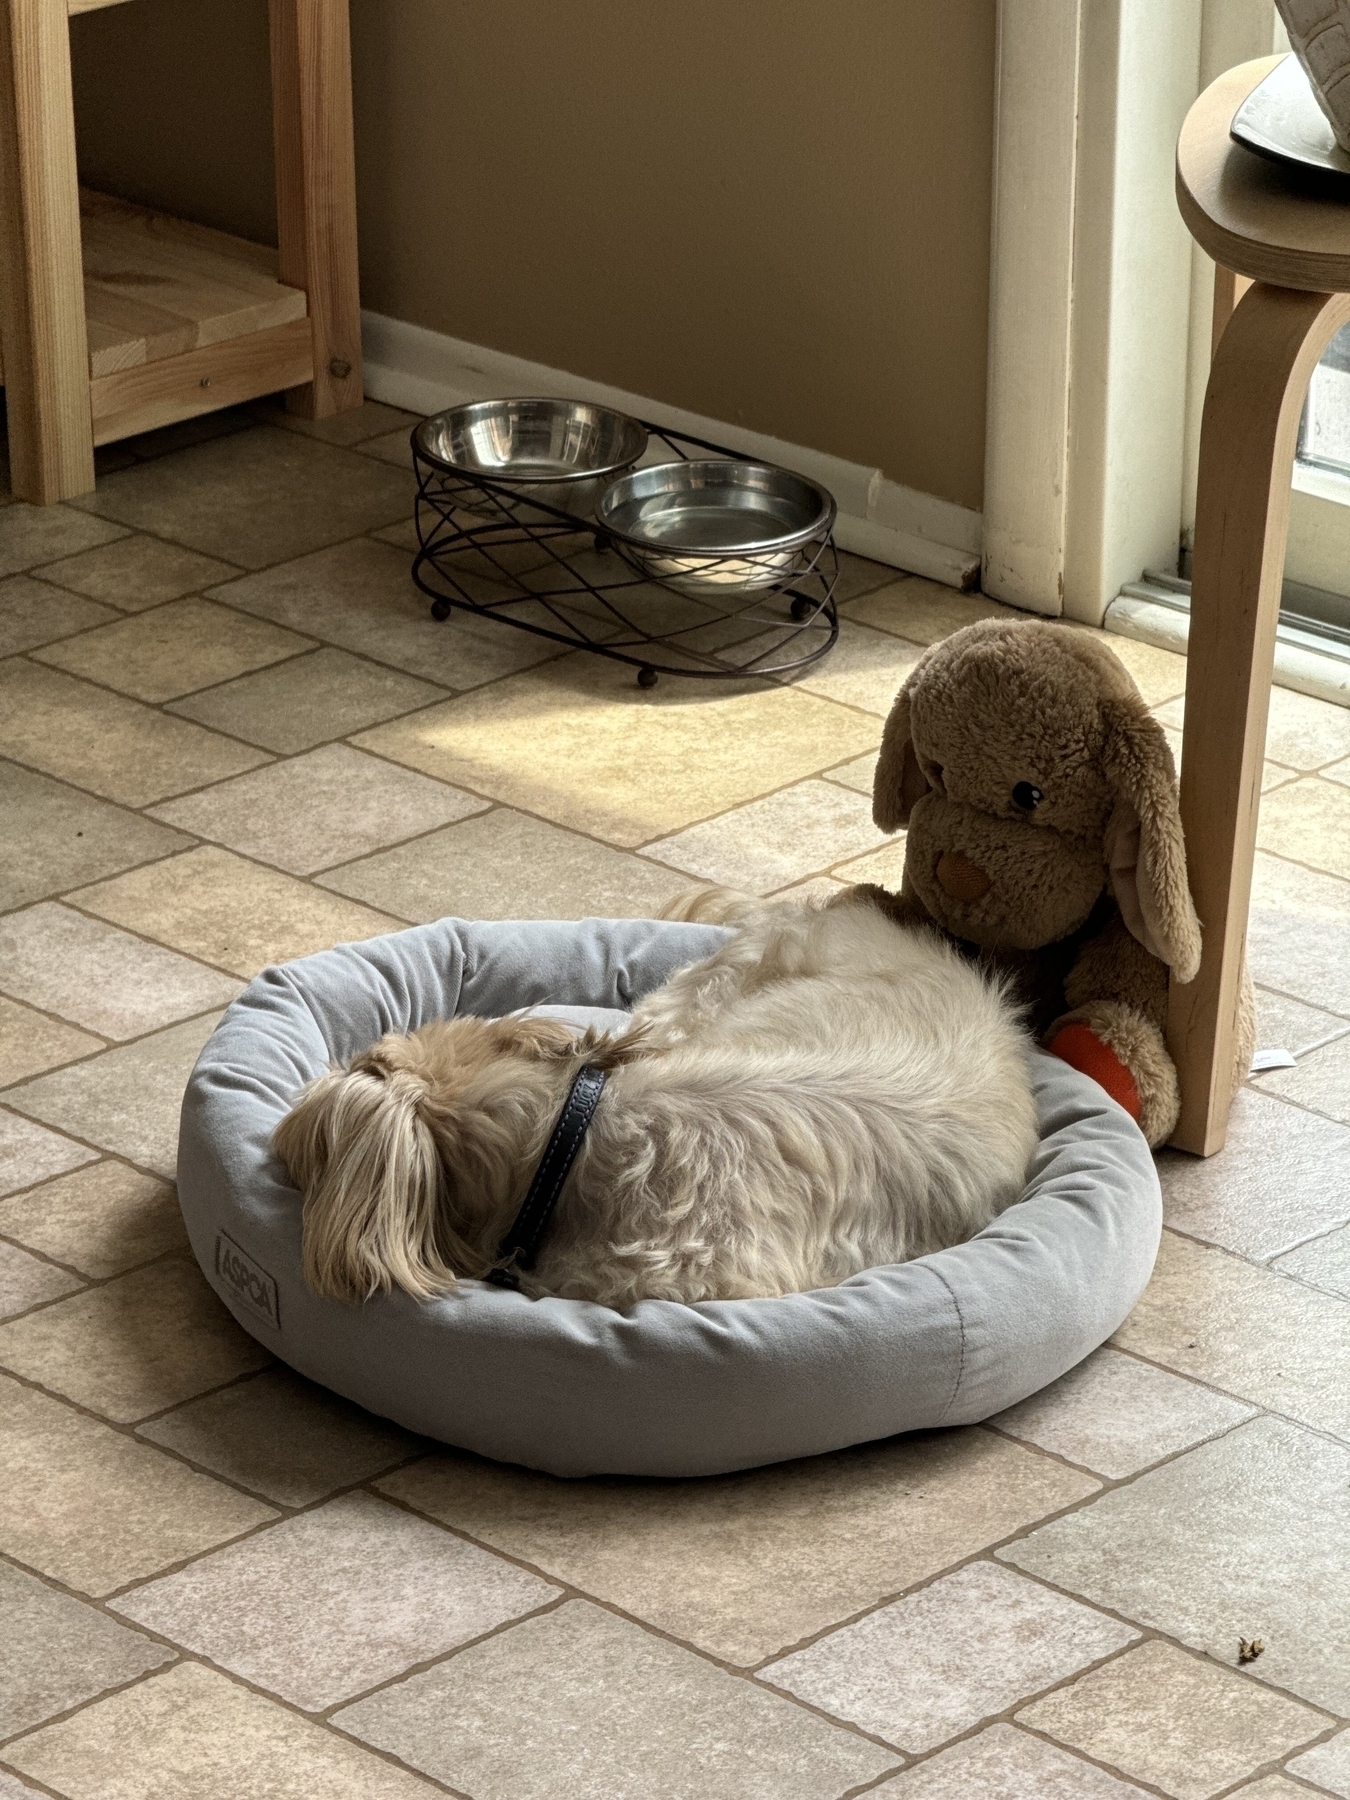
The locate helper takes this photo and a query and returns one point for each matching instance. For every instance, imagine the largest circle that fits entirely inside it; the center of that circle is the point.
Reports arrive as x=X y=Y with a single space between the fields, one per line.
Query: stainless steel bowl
x=563 y=452
x=716 y=527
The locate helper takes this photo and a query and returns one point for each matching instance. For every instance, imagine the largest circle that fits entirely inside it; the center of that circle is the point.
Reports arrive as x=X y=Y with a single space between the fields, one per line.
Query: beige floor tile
x=307 y=700
x=1285 y=887
x=361 y=597
x=823 y=888
x=866 y=668
x=1003 y=1763
x=1115 y=1416
x=140 y=1343
x=136 y=572
x=126 y=1100
x=282 y=1436
x=56 y=837
x=325 y=807
x=1291 y=1025
x=195 y=1735
x=100 y=1219
x=583 y=1704
x=357 y=426
x=1283 y=1176
x=1250 y=1331
x=885 y=867
x=174 y=649
x=1327 y=1764
x=1185 y=1725
x=94 y=1509
x=581 y=745
x=230 y=912
x=1309 y=822
x=183 y=434
x=38 y=534
x=924 y=611
x=1273 y=1787
x=783 y=838
x=858 y=774
x=1305 y=956
x=26 y=1281
x=971 y=1645
x=1321 y=1080
x=1243 y=1537
x=860 y=575
x=100 y=977
x=1324 y=1263
x=329 y=1604
x=256 y=497
x=503 y=865
x=31 y=613
x=746 y=1565
x=390 y=446
x=30 y=1042
x=114 y=747
x=1302 y=733
x=56 y=1652
x=29 y=1154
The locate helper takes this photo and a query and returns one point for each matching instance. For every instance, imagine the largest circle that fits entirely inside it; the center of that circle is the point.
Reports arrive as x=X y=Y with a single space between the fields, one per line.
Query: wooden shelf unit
x=115 y=319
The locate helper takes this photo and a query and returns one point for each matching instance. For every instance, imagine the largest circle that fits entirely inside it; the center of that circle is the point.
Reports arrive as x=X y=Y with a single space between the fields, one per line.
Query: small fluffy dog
x=828 y=1092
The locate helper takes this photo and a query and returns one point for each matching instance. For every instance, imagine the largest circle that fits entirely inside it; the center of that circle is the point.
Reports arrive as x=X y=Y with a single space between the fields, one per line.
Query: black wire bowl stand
x=488 y=552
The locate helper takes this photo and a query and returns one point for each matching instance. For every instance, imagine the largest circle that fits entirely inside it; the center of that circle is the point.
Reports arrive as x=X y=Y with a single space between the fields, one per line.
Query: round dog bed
x=664 y=1389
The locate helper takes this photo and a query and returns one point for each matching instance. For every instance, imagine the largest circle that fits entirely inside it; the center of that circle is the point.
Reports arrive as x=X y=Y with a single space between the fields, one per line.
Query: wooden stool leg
x=1259 y=377
x=316 y=192
x=42 y=330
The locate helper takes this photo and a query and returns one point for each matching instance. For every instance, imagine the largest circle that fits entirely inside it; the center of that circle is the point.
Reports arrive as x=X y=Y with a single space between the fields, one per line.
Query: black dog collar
x=521 y=1244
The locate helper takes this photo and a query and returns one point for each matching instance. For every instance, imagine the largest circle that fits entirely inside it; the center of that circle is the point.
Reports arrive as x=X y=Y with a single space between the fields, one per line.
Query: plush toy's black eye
x=1027 y=797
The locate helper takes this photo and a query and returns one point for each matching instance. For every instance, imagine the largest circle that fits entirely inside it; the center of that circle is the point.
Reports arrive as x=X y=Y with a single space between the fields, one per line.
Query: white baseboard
x=424 y=371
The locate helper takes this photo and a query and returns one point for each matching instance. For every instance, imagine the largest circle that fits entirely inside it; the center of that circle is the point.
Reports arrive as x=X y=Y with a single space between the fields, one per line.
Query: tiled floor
x=234 y=735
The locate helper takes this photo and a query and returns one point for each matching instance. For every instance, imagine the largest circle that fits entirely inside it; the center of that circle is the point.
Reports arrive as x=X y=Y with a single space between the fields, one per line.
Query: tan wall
x=773 y=212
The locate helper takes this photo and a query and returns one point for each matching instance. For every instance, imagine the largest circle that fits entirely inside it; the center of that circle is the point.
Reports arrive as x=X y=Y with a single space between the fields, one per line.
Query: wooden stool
x=115 y=320
x=1293 y=245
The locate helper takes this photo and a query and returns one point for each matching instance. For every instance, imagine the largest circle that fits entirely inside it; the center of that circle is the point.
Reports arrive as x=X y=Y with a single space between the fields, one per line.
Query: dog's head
x=412 y=1160
x=1030 y=774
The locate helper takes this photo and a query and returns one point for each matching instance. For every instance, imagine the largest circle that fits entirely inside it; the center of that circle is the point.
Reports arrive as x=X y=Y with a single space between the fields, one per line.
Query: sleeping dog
x=829 y=1091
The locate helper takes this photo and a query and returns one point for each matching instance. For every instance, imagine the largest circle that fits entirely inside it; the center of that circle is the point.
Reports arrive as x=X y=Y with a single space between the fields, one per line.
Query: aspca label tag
x=245 y=1280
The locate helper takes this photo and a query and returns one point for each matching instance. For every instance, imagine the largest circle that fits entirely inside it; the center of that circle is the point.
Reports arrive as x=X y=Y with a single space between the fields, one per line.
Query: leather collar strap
x=521 y=1244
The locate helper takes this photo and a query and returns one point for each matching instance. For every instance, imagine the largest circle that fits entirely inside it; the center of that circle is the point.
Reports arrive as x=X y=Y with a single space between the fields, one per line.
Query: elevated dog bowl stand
x=557 y=575
x=1291 y=241
x=116 y=320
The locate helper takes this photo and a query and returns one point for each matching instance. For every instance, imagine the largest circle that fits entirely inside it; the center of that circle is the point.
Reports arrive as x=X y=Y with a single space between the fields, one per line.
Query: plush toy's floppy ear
x=899 y=781
x=1145 y=849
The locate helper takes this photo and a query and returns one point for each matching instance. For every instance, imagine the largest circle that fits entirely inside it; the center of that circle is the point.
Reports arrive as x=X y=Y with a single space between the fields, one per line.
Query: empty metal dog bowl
x=715 y=527
x=563 y=452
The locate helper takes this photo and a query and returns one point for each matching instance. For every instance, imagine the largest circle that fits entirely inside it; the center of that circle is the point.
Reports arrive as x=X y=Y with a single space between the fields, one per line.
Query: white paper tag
x=1271 y=1059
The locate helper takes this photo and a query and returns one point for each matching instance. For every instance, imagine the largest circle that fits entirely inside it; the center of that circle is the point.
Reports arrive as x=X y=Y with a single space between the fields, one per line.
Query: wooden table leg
x=46 y=353
x=1260 y=374
x=316 y=192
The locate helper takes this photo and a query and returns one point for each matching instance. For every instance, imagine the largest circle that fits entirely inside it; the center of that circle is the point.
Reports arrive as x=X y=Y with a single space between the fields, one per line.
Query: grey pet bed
x=664 y=1389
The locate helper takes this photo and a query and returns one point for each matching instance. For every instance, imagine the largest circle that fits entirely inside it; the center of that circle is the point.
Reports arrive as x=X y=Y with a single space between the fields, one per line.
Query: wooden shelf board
x=156 y=287
x=198 y=381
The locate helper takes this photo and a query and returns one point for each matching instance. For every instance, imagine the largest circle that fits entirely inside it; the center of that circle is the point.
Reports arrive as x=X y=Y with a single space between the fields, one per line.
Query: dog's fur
x=828 y=1092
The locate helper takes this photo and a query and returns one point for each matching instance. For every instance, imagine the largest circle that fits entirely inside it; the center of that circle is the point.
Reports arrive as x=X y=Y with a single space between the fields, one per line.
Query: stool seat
x=1250 y=214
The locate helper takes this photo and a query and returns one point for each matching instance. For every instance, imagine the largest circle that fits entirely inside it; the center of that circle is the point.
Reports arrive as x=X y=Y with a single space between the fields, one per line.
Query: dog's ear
x=1144 y=845
x=899 y=781
x=364 y=1157
x=531 y=1037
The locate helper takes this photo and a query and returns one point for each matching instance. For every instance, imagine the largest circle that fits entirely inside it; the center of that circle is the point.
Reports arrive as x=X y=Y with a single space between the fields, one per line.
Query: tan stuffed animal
x=1040 y=798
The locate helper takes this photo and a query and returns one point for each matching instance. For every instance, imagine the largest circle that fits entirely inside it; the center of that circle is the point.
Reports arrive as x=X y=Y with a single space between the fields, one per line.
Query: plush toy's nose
x=960 y=878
